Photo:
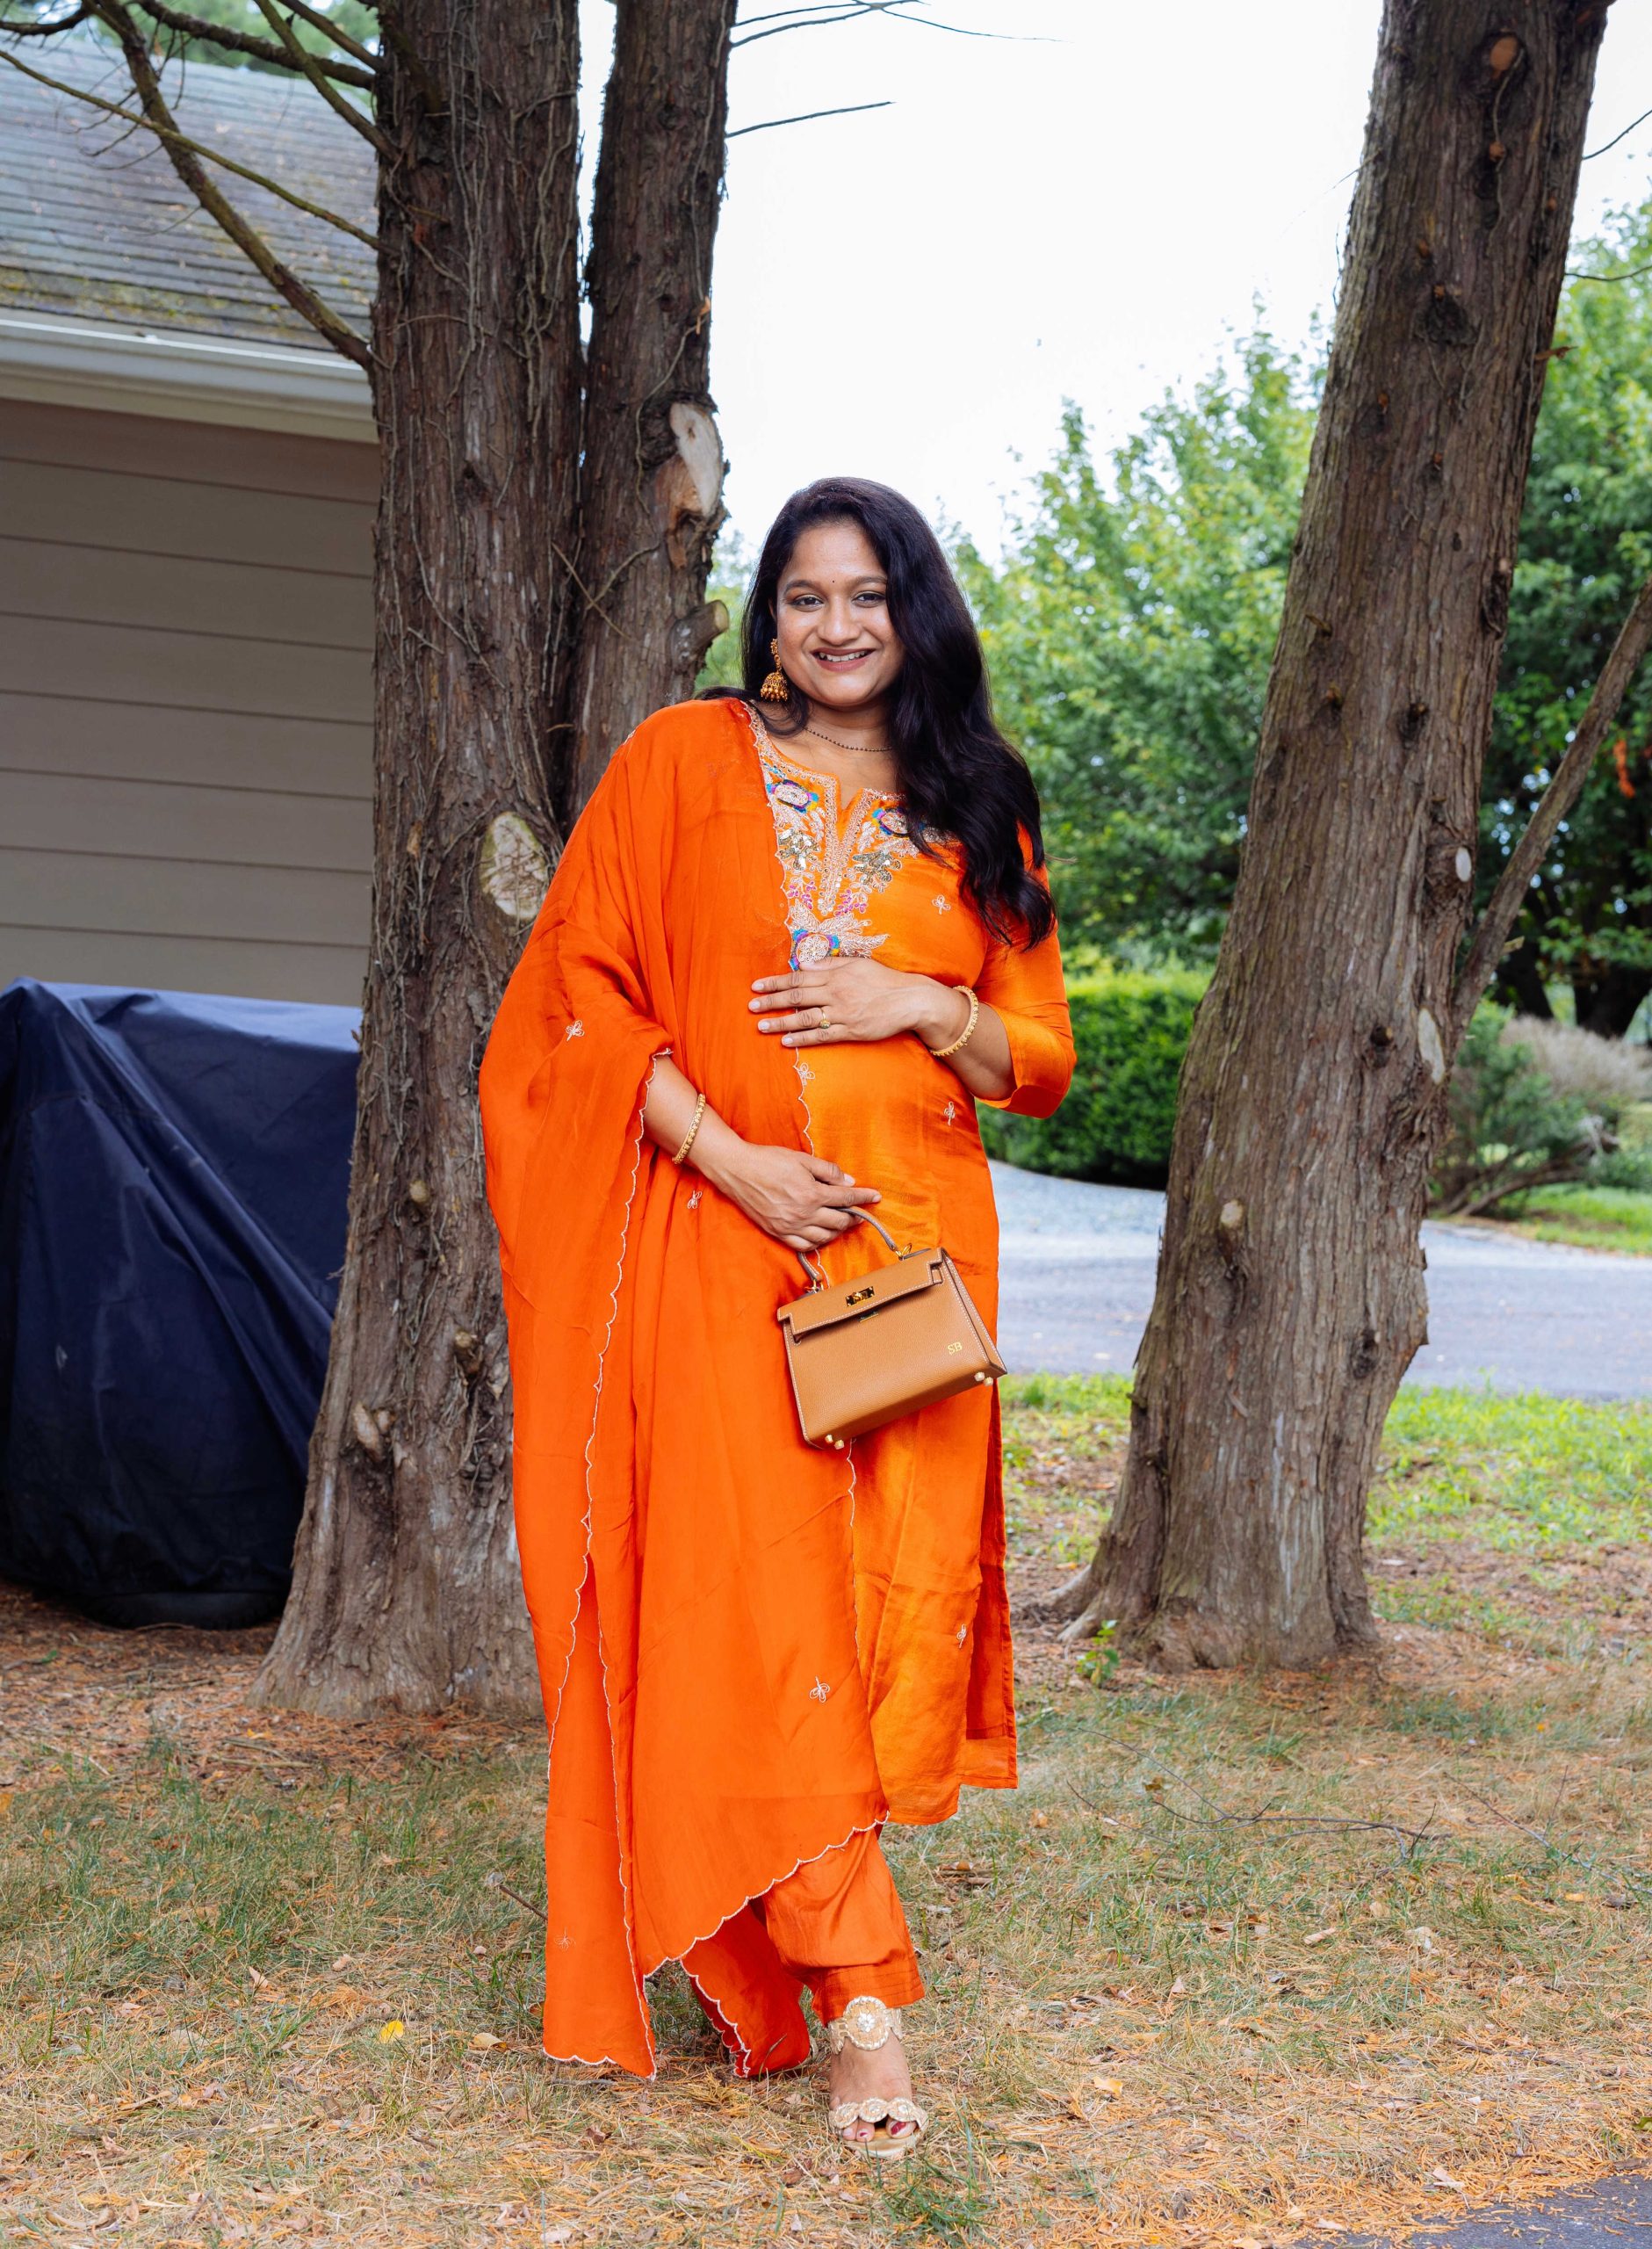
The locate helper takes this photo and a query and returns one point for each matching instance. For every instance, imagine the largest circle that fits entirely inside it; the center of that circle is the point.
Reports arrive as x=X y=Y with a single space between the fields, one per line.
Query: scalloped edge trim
x=552 y=1719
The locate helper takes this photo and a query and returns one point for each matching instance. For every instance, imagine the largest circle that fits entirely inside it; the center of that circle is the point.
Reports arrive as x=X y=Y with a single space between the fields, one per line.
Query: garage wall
x=185 y=704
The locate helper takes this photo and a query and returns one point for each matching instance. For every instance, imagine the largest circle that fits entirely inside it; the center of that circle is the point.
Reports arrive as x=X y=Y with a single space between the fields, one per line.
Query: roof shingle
x=94 y=223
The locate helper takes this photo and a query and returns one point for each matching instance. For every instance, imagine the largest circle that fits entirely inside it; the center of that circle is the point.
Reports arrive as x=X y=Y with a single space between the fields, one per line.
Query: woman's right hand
x=800 y=1199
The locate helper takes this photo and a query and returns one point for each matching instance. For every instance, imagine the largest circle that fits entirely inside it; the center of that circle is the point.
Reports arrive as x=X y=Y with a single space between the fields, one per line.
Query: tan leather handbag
x=865 y=1351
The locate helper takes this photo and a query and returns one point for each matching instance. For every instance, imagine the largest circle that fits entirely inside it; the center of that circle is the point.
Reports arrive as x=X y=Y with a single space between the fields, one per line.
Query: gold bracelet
x=687 y=1140
x=968 y=1032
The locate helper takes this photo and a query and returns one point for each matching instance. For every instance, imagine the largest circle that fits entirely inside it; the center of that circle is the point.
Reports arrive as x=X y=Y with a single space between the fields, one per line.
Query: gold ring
x=825 y=1022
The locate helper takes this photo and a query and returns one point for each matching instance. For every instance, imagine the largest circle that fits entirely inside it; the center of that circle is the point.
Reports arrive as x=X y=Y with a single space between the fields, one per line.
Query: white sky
x=1081 y=210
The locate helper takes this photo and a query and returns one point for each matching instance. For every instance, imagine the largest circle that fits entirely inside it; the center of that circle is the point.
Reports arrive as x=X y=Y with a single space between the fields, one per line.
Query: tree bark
x=1290 y=1296
x=651 y=485
x=406 y=1591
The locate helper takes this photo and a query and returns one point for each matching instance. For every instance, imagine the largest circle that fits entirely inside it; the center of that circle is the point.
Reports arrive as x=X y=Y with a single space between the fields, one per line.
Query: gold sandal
x=869 y=2024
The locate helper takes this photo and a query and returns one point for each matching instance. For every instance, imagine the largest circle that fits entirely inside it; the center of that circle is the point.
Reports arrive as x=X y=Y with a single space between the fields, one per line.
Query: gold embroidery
x=830 y=873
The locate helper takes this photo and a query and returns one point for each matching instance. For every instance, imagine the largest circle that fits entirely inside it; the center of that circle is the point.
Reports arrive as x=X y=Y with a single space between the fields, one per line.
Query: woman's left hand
x=849 y=999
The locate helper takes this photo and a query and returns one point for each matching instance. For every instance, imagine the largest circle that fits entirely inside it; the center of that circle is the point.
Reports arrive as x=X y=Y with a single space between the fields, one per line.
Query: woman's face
x=832 y=619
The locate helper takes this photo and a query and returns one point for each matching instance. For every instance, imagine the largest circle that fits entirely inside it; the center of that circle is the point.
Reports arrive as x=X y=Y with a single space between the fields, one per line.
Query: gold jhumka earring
x=776 y=688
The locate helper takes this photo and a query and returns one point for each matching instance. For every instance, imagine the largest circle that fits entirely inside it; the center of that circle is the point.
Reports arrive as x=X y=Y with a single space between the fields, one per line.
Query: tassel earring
x=776 y=688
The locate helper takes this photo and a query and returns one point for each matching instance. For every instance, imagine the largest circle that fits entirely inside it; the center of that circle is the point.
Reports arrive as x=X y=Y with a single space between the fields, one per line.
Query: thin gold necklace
x=850 y=748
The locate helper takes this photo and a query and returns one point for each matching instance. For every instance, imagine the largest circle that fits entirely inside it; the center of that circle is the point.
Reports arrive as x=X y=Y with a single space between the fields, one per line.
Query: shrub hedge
x=1130 y=1028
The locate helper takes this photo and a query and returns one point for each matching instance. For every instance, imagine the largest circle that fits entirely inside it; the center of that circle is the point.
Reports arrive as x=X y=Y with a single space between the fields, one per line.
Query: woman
x=796 y=935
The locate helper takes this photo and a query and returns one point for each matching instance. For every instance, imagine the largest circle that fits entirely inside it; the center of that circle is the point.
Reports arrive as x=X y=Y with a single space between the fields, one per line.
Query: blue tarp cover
x=173 y=1177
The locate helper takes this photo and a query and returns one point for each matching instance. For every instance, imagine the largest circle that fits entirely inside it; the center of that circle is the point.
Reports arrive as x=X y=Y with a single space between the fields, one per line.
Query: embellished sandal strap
x=879 y=2111
x=865 y=2022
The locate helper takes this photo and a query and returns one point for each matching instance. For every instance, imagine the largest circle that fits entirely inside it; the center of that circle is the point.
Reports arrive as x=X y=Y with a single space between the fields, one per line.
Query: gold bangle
x=688 y=1138
x=968 y=1032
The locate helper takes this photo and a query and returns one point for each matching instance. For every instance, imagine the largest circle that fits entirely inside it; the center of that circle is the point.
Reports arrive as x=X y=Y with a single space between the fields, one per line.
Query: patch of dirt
x=80 y=1689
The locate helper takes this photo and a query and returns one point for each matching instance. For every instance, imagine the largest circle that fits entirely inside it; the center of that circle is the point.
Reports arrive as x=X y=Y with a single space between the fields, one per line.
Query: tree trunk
x=1290 y=1295
x=650 y=484
x=406 y=1591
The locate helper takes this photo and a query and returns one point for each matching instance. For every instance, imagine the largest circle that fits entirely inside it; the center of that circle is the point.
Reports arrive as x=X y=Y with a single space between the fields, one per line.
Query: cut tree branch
x=301 y=59
x=178 y=19
x=171 y=139
x=1565 y=787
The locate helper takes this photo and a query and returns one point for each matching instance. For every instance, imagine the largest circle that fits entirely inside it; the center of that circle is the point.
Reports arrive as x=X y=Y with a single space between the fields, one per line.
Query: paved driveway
x=1078 y=1263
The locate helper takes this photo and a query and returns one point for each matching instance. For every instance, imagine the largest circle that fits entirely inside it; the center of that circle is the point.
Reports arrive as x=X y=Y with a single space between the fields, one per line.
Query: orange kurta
x=750 y=1650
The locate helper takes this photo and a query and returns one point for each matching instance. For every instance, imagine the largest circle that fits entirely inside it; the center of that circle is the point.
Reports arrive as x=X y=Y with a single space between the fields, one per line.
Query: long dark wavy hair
x=959 y=778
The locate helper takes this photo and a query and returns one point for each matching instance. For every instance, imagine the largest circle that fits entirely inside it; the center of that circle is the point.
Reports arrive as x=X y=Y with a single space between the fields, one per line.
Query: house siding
x=185 y=704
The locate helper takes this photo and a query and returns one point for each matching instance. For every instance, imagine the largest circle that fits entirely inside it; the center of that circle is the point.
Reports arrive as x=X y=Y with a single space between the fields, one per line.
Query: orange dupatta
x=693 y=1760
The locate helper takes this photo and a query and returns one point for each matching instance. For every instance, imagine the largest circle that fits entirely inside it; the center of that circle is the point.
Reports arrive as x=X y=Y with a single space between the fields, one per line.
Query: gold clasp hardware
x=859 y=1296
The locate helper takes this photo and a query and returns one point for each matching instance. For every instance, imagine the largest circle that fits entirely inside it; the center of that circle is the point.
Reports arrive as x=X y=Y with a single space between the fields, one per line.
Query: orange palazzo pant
x=835 y=1927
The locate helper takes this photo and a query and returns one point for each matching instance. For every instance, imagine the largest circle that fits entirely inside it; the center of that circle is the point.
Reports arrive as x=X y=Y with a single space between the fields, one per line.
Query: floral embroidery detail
x=964 y=1634
x=950 y=1111
x=818 y=1692
x=575 y=1029
x=831 y=874
x=942 y=904
x=694 y=1199
x=805 y=1075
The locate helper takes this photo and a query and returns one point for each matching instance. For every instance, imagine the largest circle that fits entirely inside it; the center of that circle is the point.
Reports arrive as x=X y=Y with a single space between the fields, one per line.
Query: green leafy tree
x=1132 y=623
x=732 y=570
x=1585 y=546
x=1130 y=627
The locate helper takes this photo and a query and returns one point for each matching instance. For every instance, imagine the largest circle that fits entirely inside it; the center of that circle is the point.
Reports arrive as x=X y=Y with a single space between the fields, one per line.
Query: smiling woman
x=781 y=958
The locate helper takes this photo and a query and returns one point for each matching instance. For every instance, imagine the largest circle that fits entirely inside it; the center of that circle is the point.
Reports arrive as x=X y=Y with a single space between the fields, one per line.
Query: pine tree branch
x=171 y=139
x=1566 y=785
x=235 y=42
x=301 y=59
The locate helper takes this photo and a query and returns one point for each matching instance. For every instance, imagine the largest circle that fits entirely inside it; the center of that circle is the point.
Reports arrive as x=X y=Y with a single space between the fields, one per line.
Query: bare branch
x=310 y=64
x=17 y=29
x=185 y=160
x=1616 y=137
x=169 y=137
x=849 y=109
x=1633 y=274
x=1563 y=792
x=178 y=19
x=807 y=17
x=335 y=32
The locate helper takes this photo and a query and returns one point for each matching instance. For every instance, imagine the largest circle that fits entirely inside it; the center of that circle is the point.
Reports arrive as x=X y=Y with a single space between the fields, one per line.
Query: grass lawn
x=1244 y=1959
x=1591 y=1218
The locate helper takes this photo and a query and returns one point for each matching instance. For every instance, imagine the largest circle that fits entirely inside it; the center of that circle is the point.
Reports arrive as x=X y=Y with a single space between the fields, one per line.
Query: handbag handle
x=817 y=1279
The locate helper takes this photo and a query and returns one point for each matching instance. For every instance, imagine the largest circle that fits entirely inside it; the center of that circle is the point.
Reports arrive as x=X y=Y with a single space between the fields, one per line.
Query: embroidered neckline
x=832 y=866
x=766 y=743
